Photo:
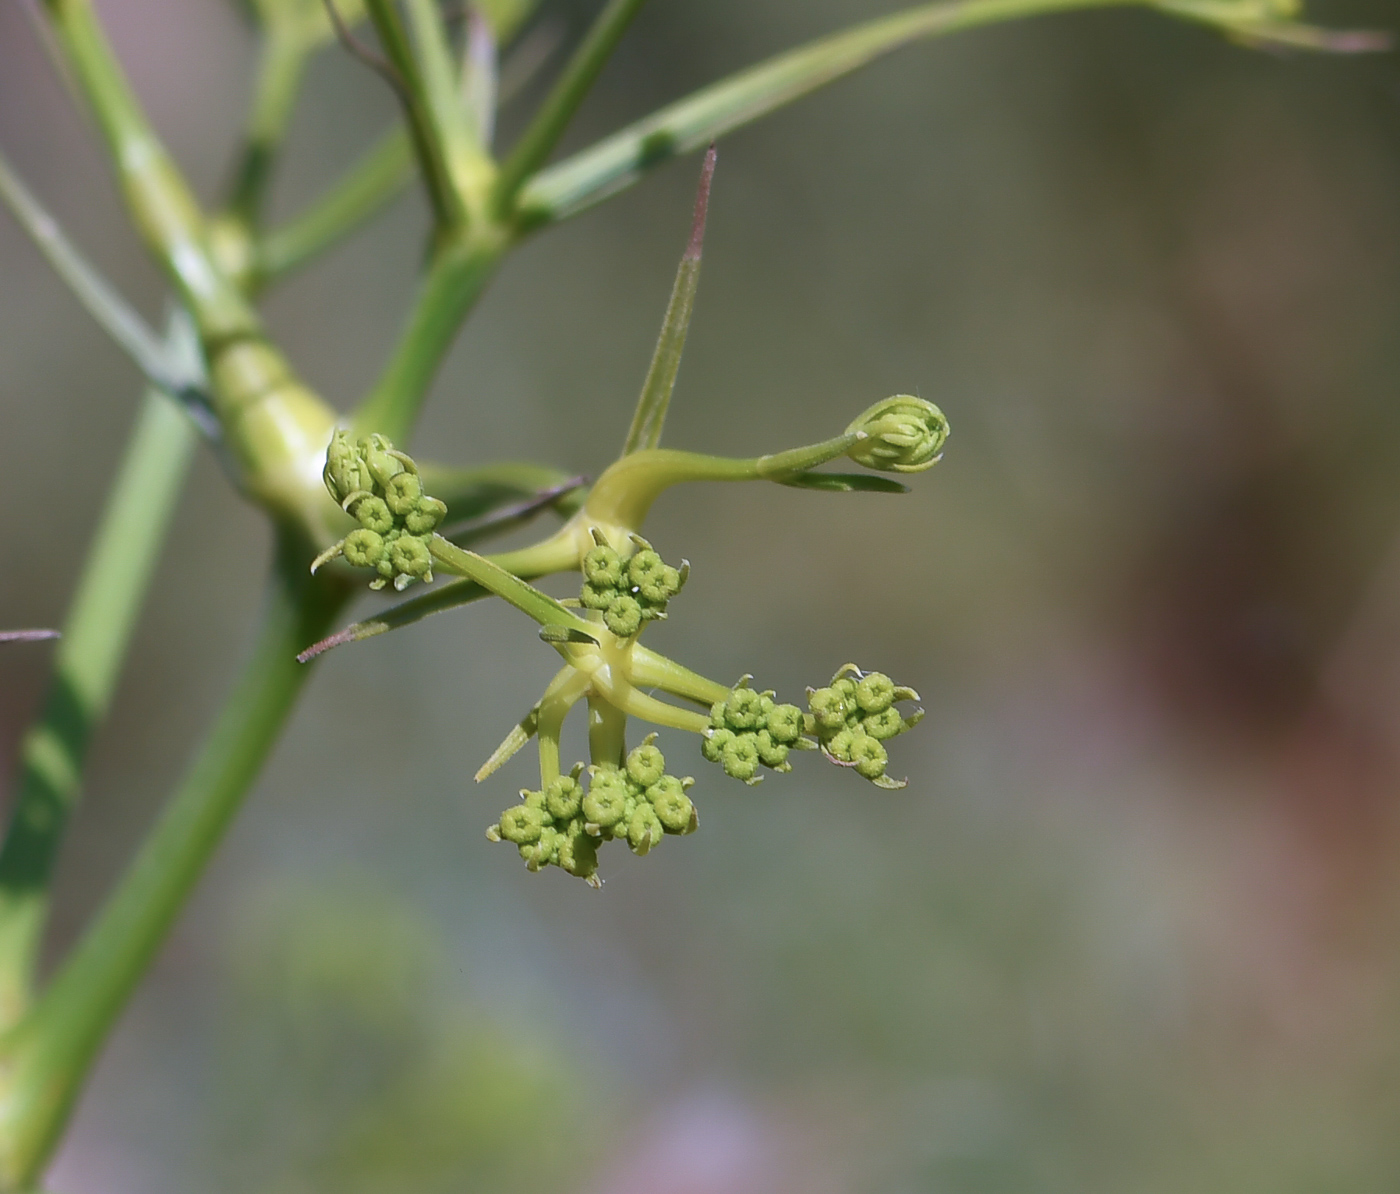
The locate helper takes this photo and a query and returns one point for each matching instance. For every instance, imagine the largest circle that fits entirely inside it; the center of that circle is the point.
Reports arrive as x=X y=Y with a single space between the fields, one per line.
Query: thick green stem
x=274 y=428
x=455 y=280
x=49 y=1054
x=87 y=663
x=625 y=492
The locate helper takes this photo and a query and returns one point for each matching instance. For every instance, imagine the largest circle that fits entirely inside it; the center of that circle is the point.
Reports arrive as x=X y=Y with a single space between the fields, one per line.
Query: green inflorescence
x=750 y=730
x=379 y=487
x=563 y=824
x=855 y=715
x=629 y=592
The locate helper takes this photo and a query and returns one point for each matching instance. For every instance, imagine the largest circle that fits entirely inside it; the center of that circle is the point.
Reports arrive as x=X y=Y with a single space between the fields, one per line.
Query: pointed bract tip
x=702 y=205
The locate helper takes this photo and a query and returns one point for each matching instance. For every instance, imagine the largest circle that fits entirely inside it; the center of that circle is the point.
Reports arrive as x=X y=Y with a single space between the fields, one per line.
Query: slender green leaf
x=650 y=416
x=844 y=482
x=619 y=160
x=543 y=608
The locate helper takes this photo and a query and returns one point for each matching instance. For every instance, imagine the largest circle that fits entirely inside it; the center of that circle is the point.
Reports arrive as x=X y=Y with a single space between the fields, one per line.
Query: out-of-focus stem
x=96 y=634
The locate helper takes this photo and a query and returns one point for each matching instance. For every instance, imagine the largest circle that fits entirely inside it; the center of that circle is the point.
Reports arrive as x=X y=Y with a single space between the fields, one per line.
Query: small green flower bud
x=563 y=797
x=770 y=753
x=673 y=807
x=847 y=688
x=624 y=616
x=578 y=853
x=426 y=516
x=840 y=746
x=785 y=723
x=713 y=744
x=373 y=514
x=363 y=548
x=602 y=567
x=885 y=724
x=875 y=693
x=378 y=454
x=411 y=556
x=606 y=802
x=868 y=755
x=646 y=765
x=344 y=472
x=663 y=589
x=902 y=434
x=522 y=824
x=595 y=598
x=828 y=707
x=644 y=829
x=644 y=569
x=740 y=757
x=402 y=493
x=717 y=711
x=744 y=709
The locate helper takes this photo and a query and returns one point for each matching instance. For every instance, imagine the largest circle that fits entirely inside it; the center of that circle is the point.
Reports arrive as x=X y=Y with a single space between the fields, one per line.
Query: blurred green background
x=1132 y=927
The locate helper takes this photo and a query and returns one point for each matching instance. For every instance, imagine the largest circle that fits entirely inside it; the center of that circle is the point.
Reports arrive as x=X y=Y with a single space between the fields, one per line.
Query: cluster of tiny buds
x=749 y=730
x=380 y=488
x=630 y=592
x=563 y=825
x=853 y=717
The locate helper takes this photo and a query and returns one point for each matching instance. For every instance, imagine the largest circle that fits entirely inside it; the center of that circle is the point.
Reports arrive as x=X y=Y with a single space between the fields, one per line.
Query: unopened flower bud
x=602 y=567
x=902 y=434
x=606 y=801
x=646 y=765
x=828 y=707
x=875 y=693
x=563 y=797
x=364 y=548
x=785 y=723
x=425 y=516
x=868 y=755
x=673 y=807
x=373 y=514
x=402 y=493
x=740 y=757
x=624 y=616
x=411 y=556
x=713 y=744
x=744 y=709
x=521 y=824
x=644 y=829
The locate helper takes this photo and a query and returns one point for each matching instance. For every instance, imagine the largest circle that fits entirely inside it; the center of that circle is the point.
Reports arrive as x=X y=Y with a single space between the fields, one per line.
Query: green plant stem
x=543 y=133
x=281 y=61
x=692 y=123
x=459 y=272
x=88 y=661
x=51 y=1051
x=367 y=186
x=160 y=202
x=448 y=209
x=470 y=169
x=625 y=492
